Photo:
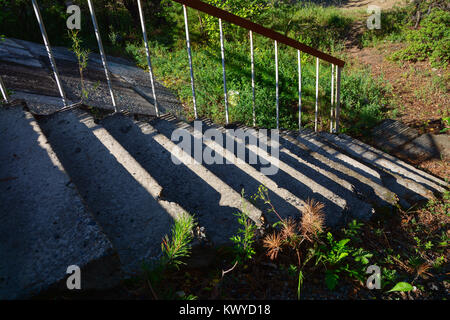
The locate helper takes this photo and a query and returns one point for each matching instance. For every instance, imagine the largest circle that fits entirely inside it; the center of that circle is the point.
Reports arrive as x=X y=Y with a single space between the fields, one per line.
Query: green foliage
x=245 y=237
x=364 y=100
x=179 y=246
x=402 y=286
x=353 y=230
x=388 y=277
x=340 y=258
x=243 y=9
x=431 y=40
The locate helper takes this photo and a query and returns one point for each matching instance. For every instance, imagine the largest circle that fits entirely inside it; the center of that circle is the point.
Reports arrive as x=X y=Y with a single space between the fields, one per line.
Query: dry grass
x=313 y=219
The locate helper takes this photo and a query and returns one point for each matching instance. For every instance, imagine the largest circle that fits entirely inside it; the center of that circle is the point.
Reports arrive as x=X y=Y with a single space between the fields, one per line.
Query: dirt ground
x=420 y=92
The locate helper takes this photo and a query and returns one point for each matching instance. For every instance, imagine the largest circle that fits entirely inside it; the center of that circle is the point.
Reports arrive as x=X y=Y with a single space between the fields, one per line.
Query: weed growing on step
x=245 y=237
x=178 y=246
x=82 y=58
x=174 y=250
x=292 y=233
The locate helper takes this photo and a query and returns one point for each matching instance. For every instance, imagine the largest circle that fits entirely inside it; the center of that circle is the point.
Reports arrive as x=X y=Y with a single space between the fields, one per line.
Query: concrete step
x=409 y=183
x=296 y=180
x=350 y=174
x=44 y=225
x=193 y=187
x=118 y=190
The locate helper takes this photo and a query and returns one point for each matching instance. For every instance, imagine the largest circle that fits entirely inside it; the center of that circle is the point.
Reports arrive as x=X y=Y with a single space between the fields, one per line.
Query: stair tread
x=45 y=226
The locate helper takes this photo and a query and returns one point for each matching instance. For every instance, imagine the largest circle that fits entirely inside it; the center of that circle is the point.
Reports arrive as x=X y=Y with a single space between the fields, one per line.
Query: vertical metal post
x=222 y=51
x=102 y=53
x=4 y=92
x=317 y=96
x=147 y=51
x=49 y=52
x=299 y=90
x=332 y=100
x=188 y=44
x=276 y=85
x=335 y=96
x=338 y=97
x=253 y=78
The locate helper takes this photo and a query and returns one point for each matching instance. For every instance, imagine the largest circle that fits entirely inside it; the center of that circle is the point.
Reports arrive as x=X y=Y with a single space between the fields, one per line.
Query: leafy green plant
x=245 y=237
x=82 y=57
x=402 y=287
x=336 y=257
x=353 y=230
x=388 y=277
x=431 y=40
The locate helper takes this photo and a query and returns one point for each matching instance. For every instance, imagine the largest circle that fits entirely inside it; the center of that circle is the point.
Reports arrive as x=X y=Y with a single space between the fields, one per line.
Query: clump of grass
x=292 y=233
x=179 y=245
x=313 y=221
x=174 y=250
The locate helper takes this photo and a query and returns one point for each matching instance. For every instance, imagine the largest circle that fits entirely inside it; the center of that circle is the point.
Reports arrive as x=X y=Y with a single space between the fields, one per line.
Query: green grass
x=430 y=40
x=363 y=98
x=324 y=28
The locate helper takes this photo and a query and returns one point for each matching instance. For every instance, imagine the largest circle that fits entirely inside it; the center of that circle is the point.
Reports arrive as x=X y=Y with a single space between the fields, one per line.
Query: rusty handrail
x=247 y=24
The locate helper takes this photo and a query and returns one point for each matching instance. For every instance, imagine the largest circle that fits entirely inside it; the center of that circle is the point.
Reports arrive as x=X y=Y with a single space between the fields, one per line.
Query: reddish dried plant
x=313 y=219
x=273 y=244
x=289 y=229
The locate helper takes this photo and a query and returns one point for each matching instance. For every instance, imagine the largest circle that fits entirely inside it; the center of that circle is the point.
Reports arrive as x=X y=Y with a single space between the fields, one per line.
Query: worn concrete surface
x=426 y=146
x=44 y=226
x=25 y=67
x=297 y=179
x=194 y=187
x=115 y=187
x=390 y=135
x=408 y=182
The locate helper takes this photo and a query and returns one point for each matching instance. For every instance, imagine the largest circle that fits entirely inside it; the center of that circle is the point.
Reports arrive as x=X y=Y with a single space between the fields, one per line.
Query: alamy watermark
x=374 y=280
x=74 y=280
x=74 y=20
x=374 y=20
x=230 y=147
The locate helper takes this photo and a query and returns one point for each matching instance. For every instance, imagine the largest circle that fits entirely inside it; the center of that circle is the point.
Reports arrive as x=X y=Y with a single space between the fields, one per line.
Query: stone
x=427 y=146
x=392 y=134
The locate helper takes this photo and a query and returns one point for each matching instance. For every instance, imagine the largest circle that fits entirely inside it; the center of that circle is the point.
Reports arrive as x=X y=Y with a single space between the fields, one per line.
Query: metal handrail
x=251 y=26
x=336 y=63
x=278 y=38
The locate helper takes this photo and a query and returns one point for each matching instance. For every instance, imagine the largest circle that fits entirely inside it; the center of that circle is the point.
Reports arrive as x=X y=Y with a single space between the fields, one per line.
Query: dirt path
x=363 y=4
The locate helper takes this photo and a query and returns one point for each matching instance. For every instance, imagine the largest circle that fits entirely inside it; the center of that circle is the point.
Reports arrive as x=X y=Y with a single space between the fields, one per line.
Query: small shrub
x=82 y=58
x=245 y=237
x=431 y=40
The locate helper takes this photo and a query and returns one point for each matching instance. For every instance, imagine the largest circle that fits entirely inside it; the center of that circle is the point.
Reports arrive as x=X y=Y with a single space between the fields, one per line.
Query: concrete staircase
x=102 y=193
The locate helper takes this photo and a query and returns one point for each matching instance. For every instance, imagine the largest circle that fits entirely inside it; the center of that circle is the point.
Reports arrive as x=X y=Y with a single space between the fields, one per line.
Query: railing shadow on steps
x=222 y=15
x=336 y=64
